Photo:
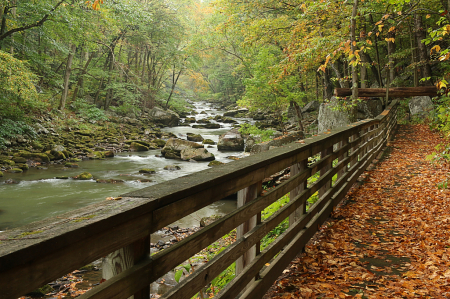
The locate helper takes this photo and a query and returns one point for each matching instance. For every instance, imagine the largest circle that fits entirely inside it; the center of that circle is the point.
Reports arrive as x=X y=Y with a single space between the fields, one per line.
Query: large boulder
x=173 y=147
x=194 y=137
x=231 y=113
x=420 y=105
x=330 y=117
x=311 y=106
x=165 y=117
x=197 y=154
x=231 y=141
x=369 y=108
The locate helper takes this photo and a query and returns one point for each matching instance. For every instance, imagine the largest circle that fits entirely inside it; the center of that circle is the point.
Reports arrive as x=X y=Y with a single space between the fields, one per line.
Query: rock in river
x=165 y=117
x=173 y=148
x=231 y=141
x=197 y=154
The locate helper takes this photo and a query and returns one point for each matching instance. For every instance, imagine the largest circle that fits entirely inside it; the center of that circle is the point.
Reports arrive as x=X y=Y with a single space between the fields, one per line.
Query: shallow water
x=39 y=195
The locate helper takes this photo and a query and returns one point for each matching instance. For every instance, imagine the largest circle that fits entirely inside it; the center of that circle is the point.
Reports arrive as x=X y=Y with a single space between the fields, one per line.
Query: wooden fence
x=44 y=251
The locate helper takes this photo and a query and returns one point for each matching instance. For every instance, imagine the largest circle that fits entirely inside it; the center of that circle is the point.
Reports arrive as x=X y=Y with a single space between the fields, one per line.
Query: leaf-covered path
x=390 y=238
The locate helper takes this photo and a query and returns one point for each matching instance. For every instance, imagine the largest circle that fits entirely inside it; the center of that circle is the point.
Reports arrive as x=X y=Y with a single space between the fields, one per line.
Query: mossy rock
x=67 y=153
x=71 y=165
x=1 y=174
x=153 y=146
x=23 y=166
x=84 y=176
x=138 y=147
x=37 y=145
x=42 y=291
x=57 y=155
x=99 y=148
x=208 y=141
x=87 y=150
x=215 y=163
x=145 y=143
x=84 y=133
x=96 y=155
x=19 y=159
x=74 y=160
x=63 y=177
x=7 y=162
x=108 y=154
x=159 y=142
x=147 y=170
x=15 y=170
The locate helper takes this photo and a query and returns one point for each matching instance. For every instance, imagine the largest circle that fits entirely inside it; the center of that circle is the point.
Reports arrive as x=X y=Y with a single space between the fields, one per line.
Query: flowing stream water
x=39 y=195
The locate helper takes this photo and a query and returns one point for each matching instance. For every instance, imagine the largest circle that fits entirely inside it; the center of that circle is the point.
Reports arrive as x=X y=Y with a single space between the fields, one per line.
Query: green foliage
x=17 y=91
x=10 y=128
x=88 y=111
x=247 y=129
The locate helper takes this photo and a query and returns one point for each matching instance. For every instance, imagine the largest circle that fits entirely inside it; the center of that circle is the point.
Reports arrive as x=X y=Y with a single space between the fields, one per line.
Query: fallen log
x=396 y=92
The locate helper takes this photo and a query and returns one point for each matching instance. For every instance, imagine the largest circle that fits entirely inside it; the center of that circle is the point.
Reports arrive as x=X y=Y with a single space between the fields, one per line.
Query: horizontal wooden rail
x=62 y=244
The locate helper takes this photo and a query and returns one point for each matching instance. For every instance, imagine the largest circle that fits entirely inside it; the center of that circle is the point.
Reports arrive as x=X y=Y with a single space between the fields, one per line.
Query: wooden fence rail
x=44 y=251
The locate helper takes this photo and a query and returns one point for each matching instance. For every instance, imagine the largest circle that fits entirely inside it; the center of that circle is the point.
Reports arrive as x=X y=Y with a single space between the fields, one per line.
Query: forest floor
x=391 y=236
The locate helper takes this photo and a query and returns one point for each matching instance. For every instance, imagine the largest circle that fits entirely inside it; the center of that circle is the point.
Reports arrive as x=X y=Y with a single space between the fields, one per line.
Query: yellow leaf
x=436 y=48
x=399 y=13
x=391 y=29
x=378 y=23
x=428 y=16
x=380 y=27
x=354 y=43
x=370 y=33
x=369 y=41
x=378 y=33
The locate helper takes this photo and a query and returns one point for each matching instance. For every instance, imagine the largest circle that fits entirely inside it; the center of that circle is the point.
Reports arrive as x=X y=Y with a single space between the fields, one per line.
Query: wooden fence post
x=324 y=170
x=245 y=195
x=124 y=258
x=344 y=169
x=296 y=169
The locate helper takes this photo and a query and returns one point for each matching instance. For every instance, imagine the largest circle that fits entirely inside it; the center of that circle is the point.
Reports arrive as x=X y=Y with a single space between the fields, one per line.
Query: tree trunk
x=80 y=79
x=391 y=51
x=327 y=85
x=62 y=103
x=422 y=48
x=354 y=111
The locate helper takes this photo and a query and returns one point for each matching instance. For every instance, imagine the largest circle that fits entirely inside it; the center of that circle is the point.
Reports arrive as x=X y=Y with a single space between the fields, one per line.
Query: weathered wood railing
x=55 y=247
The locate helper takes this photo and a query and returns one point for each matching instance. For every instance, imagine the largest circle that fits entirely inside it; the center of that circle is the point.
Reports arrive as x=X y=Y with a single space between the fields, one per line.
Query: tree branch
x=37 y=24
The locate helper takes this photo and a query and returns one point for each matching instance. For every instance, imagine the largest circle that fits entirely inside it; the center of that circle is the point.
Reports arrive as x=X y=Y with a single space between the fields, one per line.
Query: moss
x=1 y=174
x=75 y=160
x=19 y=159
x=42 y=291
x=96 y=155
x=39 y=157
x=214 y=163
x=138 y=147
x=15 y=170
x=159 y=142
x=84 y=218
x=83 y=176
x=72 y=165
x=208 y=141
x=29 y=233
x=23 y=166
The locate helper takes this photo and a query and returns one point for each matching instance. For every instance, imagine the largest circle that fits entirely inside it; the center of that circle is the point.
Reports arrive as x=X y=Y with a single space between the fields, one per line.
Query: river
x=39 y=195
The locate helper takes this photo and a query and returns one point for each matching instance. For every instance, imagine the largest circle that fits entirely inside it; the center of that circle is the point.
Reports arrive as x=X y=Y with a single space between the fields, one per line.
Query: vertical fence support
x=124 y=258
x=327 y=186
x=296 y=169
x=344 y=169
x=245 y=195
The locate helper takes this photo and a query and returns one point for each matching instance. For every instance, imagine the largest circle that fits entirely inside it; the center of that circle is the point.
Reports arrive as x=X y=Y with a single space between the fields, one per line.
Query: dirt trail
x=390 y=238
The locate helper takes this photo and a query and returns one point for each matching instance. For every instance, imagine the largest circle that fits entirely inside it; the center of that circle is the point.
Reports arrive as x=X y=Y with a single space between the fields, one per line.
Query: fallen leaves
x=390 y=240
